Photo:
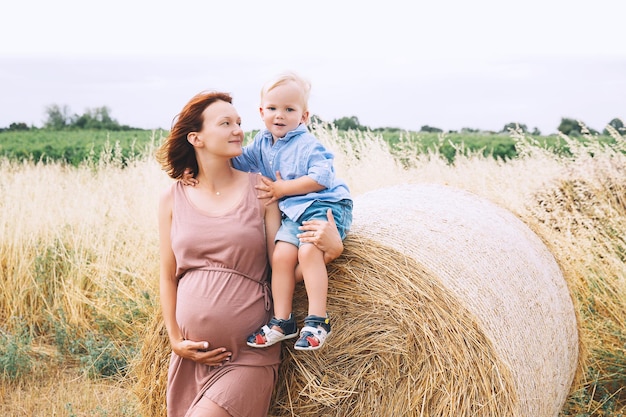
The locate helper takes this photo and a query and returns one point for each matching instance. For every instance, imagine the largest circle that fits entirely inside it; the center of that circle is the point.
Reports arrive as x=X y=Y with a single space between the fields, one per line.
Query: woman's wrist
x=333 y=252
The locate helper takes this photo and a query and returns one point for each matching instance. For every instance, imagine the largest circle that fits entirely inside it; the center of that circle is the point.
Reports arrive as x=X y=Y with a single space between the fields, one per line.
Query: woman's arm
x=272 y=224
x=167 y=271
x=168 y=287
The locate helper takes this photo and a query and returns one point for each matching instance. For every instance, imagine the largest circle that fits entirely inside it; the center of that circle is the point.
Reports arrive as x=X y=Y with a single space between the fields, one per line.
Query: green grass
x=74 y=146
x=77 y=146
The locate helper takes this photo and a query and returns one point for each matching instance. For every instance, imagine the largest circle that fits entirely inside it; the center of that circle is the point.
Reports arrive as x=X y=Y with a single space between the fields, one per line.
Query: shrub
x=15 y=353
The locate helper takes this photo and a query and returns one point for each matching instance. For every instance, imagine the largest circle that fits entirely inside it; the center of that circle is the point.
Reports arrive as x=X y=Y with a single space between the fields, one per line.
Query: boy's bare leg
x=324 y=235
x=311 y=261
x=284 y=262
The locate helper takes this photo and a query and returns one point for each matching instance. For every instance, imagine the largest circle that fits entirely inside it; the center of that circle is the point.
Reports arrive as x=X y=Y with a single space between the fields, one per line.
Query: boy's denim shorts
x=342 y=212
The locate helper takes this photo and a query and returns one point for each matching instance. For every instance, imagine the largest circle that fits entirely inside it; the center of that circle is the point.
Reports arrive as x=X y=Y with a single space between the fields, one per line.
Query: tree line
x=99 y=118
x=61 y=118
x=570 y=127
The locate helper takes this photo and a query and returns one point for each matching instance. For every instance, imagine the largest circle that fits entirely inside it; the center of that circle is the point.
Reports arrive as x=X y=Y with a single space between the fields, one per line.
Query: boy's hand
x=271 y=189
x=188 y=178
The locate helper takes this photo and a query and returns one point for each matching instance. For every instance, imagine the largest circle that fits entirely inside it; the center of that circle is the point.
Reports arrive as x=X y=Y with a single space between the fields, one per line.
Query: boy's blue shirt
x=299 y=153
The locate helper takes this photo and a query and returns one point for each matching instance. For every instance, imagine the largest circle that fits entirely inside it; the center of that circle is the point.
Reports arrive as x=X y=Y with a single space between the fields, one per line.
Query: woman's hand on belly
x=201 y=352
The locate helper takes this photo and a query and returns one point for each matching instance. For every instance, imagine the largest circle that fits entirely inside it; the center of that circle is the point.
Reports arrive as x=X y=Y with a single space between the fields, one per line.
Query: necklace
x=217 y=193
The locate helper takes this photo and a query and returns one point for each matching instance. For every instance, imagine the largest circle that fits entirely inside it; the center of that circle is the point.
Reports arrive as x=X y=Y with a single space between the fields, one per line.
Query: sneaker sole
x=289 y=336
x=313 y=348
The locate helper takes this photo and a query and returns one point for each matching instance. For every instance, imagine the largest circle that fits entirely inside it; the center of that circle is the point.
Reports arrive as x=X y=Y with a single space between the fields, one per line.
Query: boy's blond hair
x=284 y=78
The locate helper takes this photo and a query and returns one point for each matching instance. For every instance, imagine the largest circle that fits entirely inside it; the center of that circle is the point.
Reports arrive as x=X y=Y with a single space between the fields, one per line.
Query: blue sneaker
x=314 y=333
x=269 y=336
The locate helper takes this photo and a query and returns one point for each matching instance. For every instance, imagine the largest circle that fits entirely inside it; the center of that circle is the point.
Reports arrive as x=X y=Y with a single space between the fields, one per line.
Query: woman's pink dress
x=223 y=297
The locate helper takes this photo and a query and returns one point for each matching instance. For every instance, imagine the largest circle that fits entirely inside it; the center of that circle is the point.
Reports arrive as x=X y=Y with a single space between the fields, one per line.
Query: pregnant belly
x=222 y=309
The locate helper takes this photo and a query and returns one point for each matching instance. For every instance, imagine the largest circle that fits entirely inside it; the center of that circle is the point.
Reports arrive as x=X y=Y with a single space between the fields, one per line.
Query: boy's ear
x=305 y=117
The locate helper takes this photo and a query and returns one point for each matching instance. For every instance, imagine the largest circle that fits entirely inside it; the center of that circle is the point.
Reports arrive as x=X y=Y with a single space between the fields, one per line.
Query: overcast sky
x=446 y=63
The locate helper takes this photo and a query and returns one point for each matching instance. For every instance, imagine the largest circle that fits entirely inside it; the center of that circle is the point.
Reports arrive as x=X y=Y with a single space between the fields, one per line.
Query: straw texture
x=443 y=304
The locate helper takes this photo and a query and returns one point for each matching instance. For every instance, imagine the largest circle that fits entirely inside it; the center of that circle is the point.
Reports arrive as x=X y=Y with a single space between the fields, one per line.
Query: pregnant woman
x=215 y=242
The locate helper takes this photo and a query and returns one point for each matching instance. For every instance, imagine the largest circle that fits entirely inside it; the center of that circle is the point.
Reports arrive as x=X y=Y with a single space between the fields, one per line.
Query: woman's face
x=221 y=132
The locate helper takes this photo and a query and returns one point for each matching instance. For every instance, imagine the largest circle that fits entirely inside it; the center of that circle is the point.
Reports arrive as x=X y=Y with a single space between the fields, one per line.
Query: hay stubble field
x=79 y=265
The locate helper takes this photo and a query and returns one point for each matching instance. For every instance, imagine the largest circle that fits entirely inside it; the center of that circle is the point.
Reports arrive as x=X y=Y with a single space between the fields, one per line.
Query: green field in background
x=76 y=146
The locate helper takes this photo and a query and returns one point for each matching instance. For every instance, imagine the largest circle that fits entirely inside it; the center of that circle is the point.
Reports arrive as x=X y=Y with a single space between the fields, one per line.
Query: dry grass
x=63 y=391
x=79 y=250
x=77 y=241
x=583 y=217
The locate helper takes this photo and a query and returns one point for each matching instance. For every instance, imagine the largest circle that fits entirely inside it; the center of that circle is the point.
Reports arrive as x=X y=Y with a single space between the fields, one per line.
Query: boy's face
x=282 y=109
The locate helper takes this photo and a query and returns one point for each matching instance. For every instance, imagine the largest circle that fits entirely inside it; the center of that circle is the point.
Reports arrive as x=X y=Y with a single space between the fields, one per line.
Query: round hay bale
x=442 y=304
